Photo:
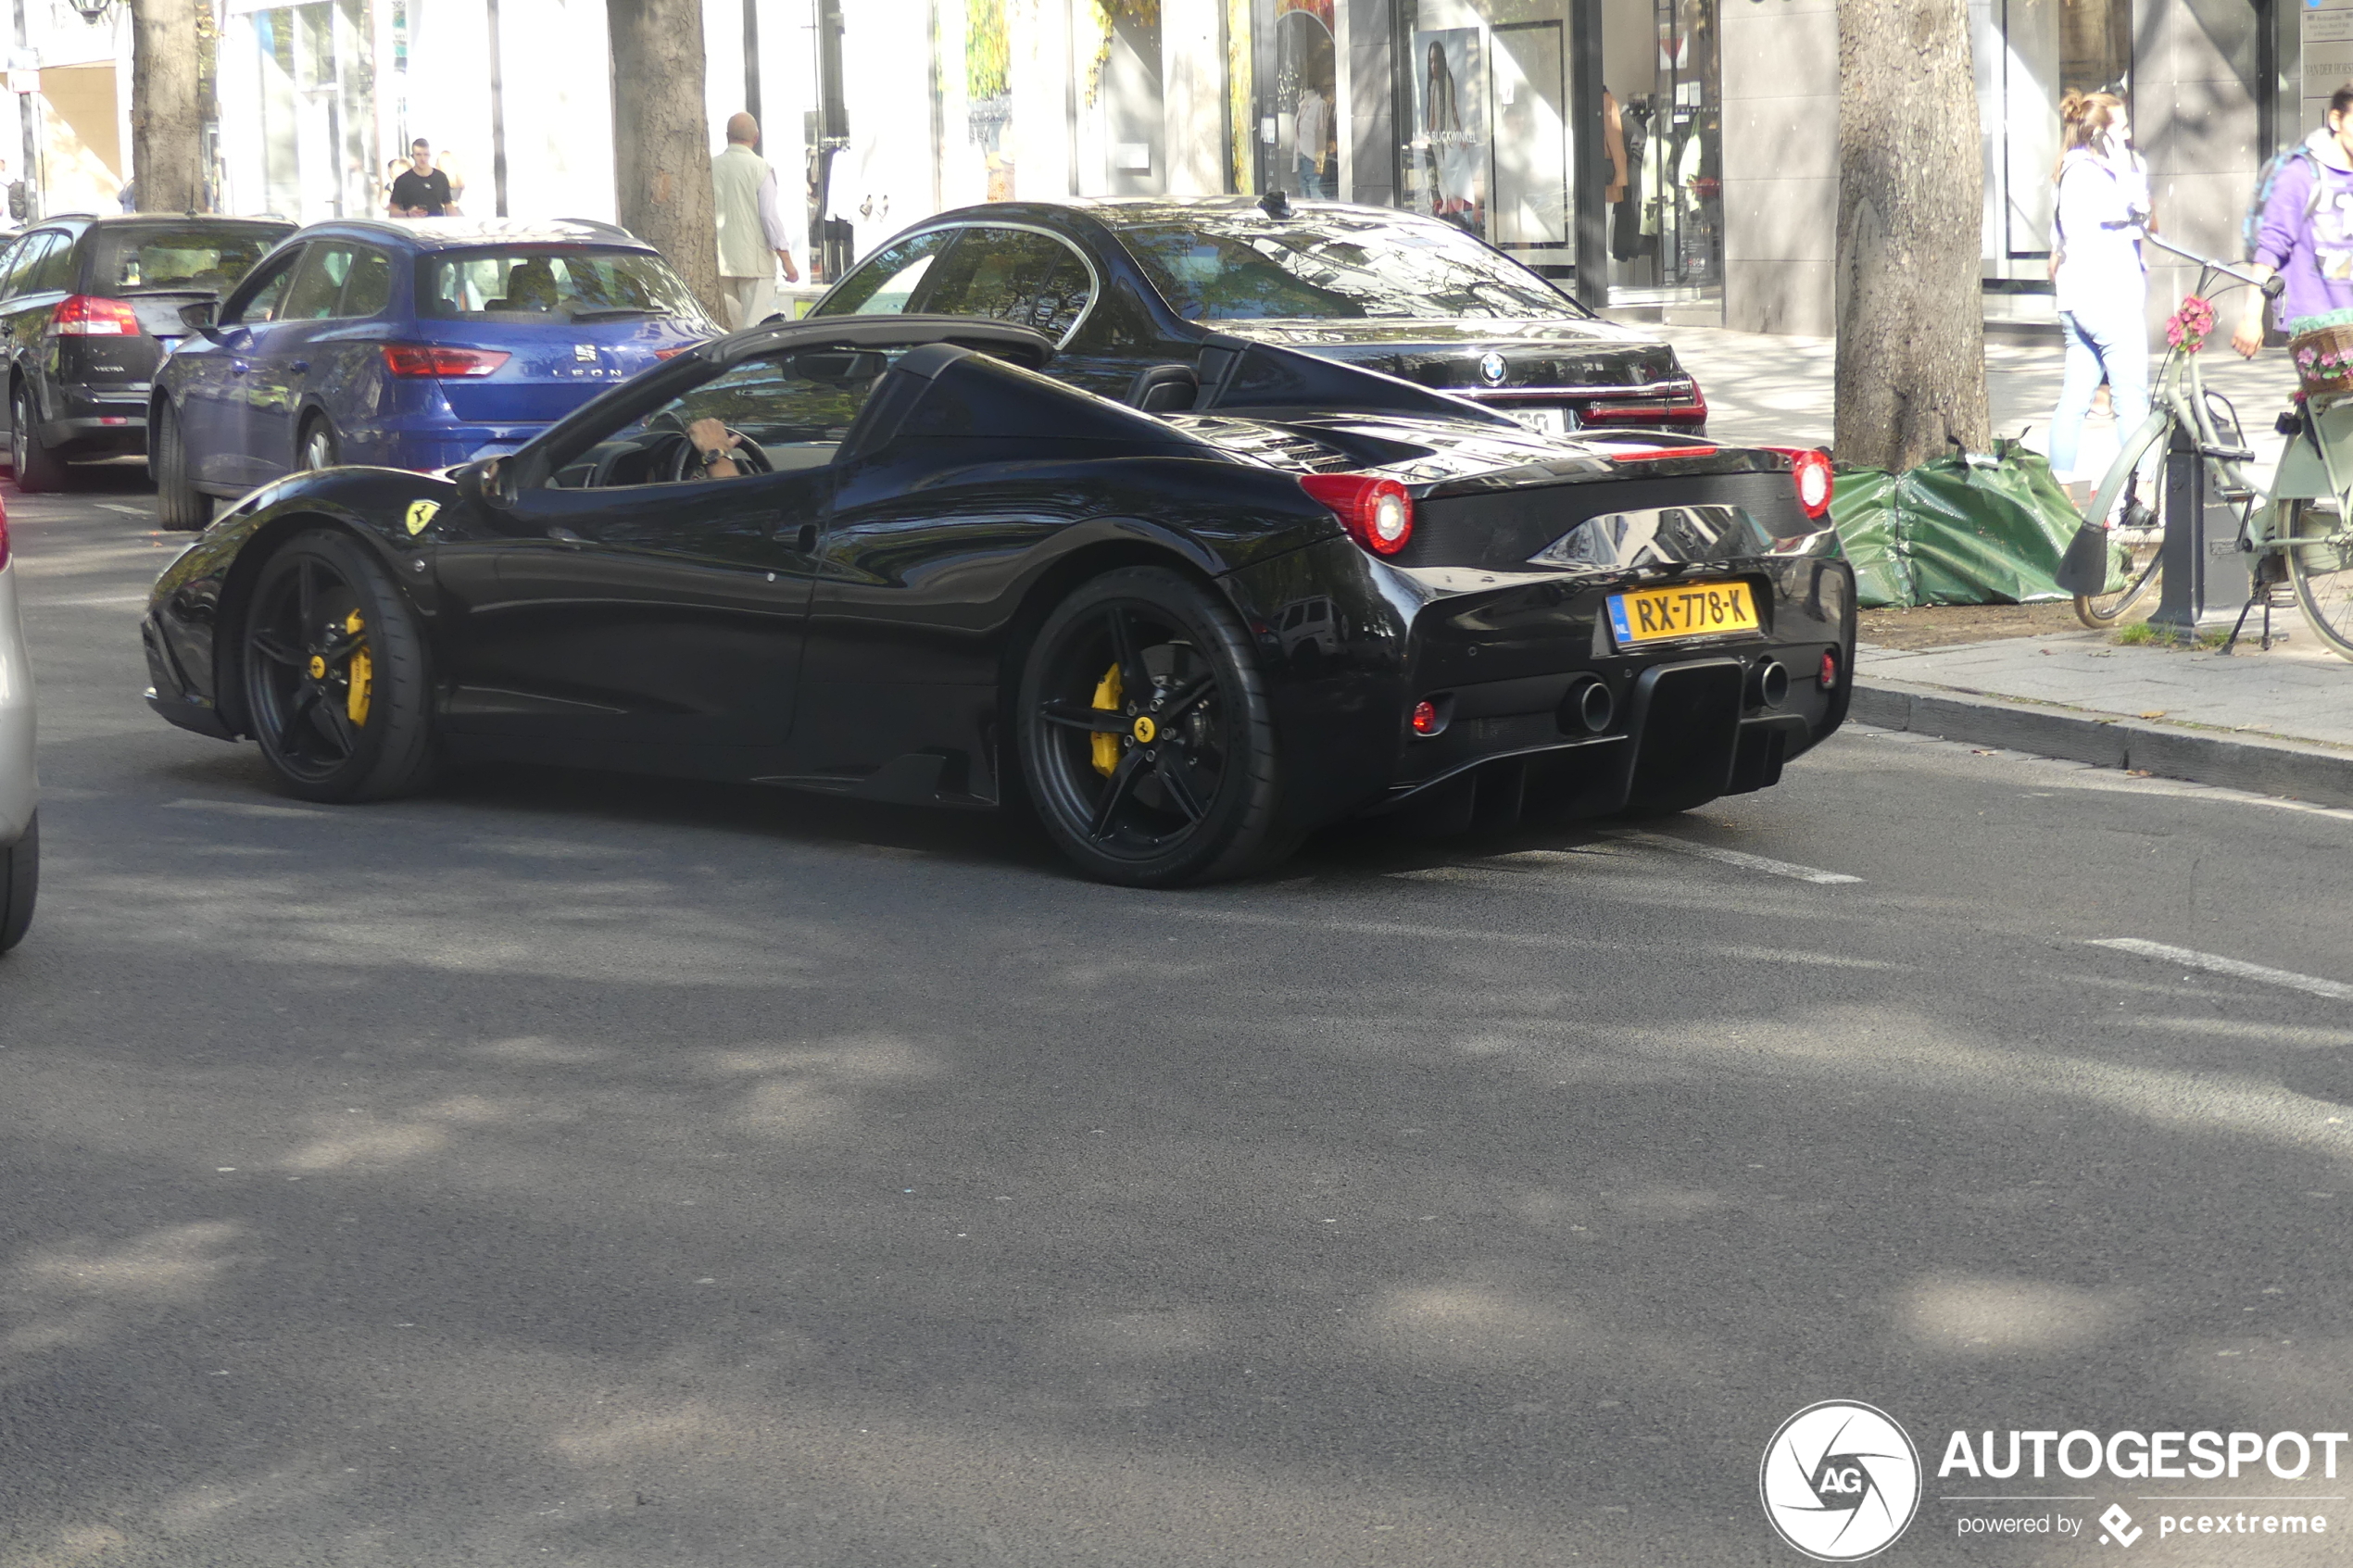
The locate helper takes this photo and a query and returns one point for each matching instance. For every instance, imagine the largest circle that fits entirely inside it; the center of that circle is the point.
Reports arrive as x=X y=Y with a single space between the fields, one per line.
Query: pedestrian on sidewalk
x=753 y=241
x=423 y=190
x=2306 y=232
x=2097 y=275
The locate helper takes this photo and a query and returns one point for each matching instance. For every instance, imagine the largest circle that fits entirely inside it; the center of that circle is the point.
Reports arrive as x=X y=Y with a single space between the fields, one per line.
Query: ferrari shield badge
x=421 y=513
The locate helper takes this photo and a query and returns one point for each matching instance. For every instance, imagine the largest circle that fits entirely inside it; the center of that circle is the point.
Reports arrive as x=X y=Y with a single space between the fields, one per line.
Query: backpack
x=2251 y=226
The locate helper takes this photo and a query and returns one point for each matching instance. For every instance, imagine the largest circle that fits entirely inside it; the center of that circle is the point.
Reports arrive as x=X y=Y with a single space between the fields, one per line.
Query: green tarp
x=1959 y=531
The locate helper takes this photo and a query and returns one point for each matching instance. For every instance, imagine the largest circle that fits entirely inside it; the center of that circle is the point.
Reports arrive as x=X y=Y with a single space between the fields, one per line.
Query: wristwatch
x=716 y=455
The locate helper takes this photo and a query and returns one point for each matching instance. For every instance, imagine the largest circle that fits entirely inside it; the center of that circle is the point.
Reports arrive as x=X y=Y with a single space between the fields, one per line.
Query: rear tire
x=1166 y=772
x=180 y=505
x=337 y=688
x=2134 y=546
x=19 y=881
x=38 y=469
x=317 y=448
x=2323 y=573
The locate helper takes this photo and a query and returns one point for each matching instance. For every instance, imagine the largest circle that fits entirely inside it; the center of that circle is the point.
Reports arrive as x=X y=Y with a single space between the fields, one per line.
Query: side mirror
x=200 y=316
x=478 y=483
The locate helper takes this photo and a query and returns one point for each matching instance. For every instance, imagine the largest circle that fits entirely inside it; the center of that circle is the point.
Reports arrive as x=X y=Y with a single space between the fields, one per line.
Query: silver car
x=20 y=792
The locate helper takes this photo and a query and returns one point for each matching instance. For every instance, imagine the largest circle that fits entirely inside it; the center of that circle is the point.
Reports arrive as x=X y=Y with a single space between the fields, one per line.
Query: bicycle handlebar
x=2272 y=287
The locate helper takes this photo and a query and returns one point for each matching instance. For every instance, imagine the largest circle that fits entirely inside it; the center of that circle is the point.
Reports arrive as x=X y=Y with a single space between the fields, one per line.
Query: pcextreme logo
x=1841 y=1481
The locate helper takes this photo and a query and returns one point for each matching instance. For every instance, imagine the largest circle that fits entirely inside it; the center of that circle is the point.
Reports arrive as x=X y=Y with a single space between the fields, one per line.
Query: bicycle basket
x=2323 y=349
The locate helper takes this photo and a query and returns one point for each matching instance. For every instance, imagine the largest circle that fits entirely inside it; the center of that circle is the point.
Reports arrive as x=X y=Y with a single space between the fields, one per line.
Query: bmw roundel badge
x=1492 y=366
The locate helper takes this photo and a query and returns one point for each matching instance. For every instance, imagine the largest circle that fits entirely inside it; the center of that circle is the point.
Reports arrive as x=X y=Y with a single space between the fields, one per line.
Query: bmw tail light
x=1687 y=406
x=87 y=315
x=424 y=359
x=1809 y=471
x=1377 y=513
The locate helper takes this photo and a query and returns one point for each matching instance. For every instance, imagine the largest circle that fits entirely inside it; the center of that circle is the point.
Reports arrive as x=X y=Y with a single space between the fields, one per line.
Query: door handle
x=299 y=368
x=804 y=539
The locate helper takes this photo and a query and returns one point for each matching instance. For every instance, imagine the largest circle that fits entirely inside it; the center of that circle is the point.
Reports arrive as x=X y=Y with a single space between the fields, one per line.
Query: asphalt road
x=569 y=1170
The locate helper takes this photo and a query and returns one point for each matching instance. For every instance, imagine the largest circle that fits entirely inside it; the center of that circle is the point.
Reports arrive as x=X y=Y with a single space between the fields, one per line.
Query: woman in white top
x=2097 y=272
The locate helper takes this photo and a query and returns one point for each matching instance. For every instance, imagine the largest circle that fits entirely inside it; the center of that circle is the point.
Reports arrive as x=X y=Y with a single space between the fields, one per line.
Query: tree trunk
x=662 y=136
x=166 y=122
x=1911 y=329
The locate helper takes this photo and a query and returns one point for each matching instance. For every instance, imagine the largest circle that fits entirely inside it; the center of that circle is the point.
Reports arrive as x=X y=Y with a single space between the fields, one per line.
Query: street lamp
x=93 y=10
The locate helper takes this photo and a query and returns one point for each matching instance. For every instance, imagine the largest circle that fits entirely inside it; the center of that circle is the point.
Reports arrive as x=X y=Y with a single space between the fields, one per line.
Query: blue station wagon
x=412 y=344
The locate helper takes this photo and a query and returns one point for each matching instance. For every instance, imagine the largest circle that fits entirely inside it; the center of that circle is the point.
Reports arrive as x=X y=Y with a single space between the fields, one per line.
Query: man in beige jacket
x=752 y=237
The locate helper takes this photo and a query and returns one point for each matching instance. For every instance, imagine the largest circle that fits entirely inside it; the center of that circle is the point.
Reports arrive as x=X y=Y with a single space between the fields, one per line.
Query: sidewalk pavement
x=2277 y=722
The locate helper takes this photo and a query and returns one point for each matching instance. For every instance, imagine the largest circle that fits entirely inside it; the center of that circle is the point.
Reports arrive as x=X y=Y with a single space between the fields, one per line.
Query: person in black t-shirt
x=424 y=192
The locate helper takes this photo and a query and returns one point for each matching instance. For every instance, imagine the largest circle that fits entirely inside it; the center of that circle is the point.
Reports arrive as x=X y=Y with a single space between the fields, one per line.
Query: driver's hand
x=2249 y=337
x=711 y=435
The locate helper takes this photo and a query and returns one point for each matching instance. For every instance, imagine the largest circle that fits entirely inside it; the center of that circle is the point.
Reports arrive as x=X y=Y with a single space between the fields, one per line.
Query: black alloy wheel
x=1146 y=739
x=37 y=467
x=180 y=505
x=320 y=448
x=335 y=684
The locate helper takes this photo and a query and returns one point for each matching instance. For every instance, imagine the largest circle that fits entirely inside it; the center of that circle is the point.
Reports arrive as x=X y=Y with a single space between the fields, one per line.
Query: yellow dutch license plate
x=1688 y=609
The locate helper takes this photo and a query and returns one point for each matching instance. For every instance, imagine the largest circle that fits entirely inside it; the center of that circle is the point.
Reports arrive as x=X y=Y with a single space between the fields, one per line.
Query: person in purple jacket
x=2306 y=233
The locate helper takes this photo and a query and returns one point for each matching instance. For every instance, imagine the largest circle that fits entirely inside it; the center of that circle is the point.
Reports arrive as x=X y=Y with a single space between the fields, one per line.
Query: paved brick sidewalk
x=2280 y=723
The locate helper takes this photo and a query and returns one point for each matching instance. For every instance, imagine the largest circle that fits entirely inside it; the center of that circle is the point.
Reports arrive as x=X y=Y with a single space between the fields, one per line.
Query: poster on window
x=1451 y=138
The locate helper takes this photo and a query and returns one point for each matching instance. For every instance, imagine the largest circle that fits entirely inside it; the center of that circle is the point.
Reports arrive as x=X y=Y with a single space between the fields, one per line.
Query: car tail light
x=1688 y=406
x=1830 y=669
x=1809 y=471
x=4 y=535
x=425 y=360
x=1426 y=720
x=671 y=352
x=1377 y=513
x=86 y=315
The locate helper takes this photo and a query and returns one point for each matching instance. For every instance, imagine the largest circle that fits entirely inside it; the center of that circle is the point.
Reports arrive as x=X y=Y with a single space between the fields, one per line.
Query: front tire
x=1147 y=741
x=19 y=882
x=335 y=684
x=37 y=467
x=180 y=505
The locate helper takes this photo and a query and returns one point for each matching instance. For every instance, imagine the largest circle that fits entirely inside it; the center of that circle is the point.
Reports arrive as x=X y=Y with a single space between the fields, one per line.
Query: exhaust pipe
x=1768 y=683
x=1588 y=709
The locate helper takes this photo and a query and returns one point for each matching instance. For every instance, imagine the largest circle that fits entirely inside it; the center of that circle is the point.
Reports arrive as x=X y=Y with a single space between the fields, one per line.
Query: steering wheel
x=748 y=458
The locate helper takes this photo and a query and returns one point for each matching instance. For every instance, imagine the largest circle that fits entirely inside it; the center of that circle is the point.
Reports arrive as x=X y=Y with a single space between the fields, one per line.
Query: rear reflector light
x=1425 y=719
x=84 y=314
x=1810 y=472
x=419 y=359
x=1686 y=408
x=1830 y=668
x=1377 y=513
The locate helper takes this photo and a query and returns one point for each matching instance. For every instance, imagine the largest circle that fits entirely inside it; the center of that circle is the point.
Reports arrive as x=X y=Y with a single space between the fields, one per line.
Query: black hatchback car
x=1132 y=291
x=88 y=307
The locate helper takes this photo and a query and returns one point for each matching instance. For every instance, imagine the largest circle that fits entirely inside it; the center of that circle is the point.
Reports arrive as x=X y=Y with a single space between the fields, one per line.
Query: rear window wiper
x=609 y=311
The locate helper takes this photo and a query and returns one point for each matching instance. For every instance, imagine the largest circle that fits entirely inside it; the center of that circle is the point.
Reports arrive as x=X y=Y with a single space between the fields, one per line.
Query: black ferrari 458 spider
x=892 y=559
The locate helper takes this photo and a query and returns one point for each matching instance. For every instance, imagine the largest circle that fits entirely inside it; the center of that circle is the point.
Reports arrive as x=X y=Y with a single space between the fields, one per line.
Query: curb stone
x=2318 y=774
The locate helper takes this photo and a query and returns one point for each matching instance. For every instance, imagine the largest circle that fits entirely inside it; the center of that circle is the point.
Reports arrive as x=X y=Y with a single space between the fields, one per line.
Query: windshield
x=191 y=259
x=543 y=283
x=1334 y=266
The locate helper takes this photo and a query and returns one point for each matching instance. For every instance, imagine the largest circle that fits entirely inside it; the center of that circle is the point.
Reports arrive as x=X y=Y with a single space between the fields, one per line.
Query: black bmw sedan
x=1126 y=286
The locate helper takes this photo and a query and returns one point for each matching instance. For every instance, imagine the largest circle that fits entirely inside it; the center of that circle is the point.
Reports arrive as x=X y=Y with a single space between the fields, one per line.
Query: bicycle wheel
x=2320 y=562
x=2133 y=541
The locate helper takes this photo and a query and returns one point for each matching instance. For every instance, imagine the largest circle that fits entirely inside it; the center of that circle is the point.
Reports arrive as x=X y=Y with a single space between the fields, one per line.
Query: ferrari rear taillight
x=429 y=360
x=1685 y=407
x=1377 y=512
x=1828 y=674
x=87 y=315
x=1809 y=471
x=3 y=536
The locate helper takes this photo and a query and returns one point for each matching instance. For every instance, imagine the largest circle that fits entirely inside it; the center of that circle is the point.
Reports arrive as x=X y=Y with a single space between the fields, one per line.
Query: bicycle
x=2297 y=530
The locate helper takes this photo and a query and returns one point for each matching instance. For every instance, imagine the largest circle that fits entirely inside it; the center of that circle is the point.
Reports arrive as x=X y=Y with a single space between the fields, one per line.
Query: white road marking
x=1733 y=857
x=85 y=601
x=2188 y=957
x=146 y=513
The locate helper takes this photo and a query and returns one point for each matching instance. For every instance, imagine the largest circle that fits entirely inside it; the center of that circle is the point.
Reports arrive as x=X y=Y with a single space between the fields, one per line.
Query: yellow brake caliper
x=1107 y=696
x=362 y=670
